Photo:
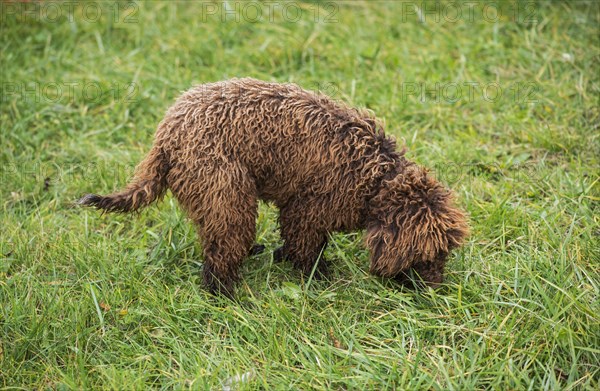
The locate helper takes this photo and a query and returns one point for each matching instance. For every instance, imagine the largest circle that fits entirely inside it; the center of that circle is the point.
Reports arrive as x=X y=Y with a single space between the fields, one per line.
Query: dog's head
x=413 y=220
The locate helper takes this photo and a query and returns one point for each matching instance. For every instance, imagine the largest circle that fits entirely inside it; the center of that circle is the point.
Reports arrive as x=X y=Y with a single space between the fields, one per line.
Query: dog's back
x=288 y=139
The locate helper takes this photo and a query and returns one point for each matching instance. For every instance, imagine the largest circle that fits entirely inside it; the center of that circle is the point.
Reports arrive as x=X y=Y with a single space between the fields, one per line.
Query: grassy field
x=501 y=103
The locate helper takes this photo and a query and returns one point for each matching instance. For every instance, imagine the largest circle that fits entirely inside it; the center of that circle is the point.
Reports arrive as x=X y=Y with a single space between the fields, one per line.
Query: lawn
x=500 y=101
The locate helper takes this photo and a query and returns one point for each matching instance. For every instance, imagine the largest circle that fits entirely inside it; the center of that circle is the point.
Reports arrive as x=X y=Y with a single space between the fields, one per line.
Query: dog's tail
x=148 y=185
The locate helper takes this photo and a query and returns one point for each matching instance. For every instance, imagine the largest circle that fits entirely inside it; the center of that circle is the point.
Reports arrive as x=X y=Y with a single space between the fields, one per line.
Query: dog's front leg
x=305 y=238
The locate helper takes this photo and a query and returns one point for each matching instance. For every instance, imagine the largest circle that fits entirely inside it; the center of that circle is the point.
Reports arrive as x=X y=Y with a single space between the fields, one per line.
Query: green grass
x=115 y=302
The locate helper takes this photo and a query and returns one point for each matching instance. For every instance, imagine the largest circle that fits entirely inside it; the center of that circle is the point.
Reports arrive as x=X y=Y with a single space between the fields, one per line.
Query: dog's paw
x=322 y=272
x=257 y=249
x=278 y=255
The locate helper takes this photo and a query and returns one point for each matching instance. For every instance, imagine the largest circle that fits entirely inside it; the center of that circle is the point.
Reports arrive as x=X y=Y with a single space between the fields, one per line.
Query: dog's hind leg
x=304 y=238
x=228 y=226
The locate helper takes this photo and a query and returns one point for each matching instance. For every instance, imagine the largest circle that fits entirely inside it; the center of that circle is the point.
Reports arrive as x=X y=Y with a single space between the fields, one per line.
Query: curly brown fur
x=328 y=167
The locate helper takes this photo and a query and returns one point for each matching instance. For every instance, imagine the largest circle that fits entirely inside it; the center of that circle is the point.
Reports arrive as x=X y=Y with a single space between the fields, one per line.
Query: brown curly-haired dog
x=328 y=167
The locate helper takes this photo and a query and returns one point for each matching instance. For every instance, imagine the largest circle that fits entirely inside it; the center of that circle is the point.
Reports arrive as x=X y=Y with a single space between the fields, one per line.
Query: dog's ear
x=388 y=258
x=414 y=220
